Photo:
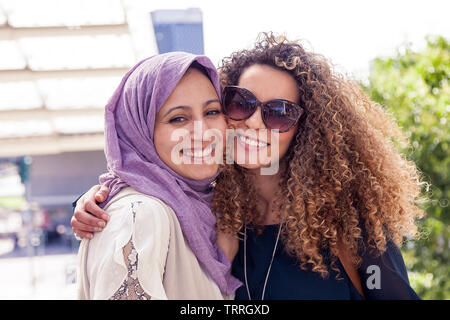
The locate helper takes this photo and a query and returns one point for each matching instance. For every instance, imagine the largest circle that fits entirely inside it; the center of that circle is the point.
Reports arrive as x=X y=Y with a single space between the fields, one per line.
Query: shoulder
x=385 y=275
x=131 y=210
x=133 y=215
x=130 y=200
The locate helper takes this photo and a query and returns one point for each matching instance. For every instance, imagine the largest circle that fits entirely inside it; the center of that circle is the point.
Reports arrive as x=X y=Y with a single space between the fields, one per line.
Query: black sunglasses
x=277 y=114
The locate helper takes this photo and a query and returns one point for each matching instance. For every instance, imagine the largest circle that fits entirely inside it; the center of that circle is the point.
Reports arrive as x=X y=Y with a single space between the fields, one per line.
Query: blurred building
x=178 y=30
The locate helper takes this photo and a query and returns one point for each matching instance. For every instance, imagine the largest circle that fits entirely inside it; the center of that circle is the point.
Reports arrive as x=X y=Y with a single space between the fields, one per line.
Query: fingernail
x=105 y=217
x=90 y=236
x=101 y=224
x=98 y=229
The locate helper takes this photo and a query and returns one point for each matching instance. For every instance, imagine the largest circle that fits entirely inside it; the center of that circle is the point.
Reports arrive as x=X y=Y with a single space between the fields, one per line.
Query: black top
x=382 y=277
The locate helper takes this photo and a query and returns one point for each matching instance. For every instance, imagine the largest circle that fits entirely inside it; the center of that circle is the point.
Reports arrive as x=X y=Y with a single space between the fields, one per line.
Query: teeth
x=207 y=151
x=199 y=153
x=252 y=142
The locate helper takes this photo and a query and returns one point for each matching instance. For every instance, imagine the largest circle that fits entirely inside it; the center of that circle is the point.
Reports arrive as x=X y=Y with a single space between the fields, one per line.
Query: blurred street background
x=60 y=61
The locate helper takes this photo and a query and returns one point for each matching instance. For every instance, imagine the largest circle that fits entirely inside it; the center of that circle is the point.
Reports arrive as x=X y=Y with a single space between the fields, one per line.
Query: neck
x=267 y=187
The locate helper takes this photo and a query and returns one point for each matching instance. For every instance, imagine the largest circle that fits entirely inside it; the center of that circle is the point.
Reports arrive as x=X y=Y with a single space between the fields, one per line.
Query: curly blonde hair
x=344 y=178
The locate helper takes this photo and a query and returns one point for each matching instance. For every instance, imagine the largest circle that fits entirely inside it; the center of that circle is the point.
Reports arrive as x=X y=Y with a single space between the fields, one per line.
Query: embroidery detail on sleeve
x=133 y=210
x=131 y=288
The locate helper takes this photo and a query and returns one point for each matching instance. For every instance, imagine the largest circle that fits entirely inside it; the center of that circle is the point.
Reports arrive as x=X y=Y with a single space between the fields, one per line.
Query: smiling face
x=192 y=104
x=266 y=83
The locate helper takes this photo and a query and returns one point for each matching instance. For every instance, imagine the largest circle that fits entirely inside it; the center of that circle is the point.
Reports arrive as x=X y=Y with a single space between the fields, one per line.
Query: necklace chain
x=270 y=264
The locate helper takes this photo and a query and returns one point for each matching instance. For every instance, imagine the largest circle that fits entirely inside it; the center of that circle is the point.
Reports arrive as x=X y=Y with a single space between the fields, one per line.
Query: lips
x=252 y=142
x=199 y=153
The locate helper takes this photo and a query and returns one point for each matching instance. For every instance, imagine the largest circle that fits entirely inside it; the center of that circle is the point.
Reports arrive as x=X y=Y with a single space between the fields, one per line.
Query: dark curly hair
x=343 y=177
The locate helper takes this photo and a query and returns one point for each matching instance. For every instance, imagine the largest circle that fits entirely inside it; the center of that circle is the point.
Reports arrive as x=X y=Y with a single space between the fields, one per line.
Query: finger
x=82 y=227
x=87 y=218
x=94 y=189
x=92 y=207
x=72 y=220
x=84 y=235
x=102 y=194
x=90 y=195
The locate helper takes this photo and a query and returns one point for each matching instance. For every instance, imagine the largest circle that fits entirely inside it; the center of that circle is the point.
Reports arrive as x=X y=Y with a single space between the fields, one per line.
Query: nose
x=255 y=121
x=197 y=133
x=196 y=129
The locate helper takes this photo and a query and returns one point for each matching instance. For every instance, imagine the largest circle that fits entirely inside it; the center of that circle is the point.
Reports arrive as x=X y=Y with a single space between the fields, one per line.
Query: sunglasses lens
x=235 y=105
x=281 y=115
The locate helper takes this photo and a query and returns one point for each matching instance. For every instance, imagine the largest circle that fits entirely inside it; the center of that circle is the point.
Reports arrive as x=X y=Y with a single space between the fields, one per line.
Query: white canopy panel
x=19 y=95
x=11 y=57
x=58 y=126
x=32 y=13
x=51 y=53
x=77 y=93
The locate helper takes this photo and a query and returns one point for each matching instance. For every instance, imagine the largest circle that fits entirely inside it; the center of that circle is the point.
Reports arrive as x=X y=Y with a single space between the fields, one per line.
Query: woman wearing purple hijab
x=160 y=242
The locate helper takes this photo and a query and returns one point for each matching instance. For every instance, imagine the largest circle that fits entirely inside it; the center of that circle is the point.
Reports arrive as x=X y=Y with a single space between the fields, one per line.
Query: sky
x=350 y=33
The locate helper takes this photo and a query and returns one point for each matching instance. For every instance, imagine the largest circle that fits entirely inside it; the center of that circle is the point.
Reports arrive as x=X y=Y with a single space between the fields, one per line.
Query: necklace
x=270 y=264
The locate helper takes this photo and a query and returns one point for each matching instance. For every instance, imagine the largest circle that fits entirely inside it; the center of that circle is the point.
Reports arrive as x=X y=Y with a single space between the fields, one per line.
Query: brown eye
x=213 y=112
x=177 y=120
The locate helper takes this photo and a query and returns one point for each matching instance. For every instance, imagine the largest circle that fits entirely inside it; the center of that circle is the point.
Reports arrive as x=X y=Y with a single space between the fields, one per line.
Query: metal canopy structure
x=60 y=62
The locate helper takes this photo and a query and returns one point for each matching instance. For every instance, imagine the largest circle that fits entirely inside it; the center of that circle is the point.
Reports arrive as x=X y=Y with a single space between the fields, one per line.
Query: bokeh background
x=61 y=60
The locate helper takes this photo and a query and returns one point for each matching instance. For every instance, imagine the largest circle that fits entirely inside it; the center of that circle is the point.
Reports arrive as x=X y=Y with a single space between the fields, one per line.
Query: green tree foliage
x=414 y=88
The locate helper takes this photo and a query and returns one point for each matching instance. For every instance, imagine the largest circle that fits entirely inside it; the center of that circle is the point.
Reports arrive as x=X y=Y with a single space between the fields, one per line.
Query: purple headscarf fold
x=133 y=161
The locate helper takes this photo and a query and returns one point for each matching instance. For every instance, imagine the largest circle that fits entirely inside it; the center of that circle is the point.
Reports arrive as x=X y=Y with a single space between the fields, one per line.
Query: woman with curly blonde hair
x=328 y=224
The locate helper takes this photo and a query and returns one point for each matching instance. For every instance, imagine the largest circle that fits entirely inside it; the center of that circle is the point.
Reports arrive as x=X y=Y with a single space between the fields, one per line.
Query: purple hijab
x=133 y=161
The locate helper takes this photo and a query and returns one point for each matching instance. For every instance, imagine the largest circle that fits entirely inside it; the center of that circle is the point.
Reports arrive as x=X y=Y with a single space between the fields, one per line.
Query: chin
x=254 y=166
x=202 y=172
x=251 y=165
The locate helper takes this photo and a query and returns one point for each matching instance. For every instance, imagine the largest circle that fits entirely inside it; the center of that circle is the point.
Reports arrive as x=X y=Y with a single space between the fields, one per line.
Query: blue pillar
x=178 y=30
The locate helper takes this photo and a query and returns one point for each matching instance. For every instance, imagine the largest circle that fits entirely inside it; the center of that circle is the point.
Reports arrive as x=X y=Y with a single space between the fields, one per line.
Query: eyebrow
x=187 y=107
